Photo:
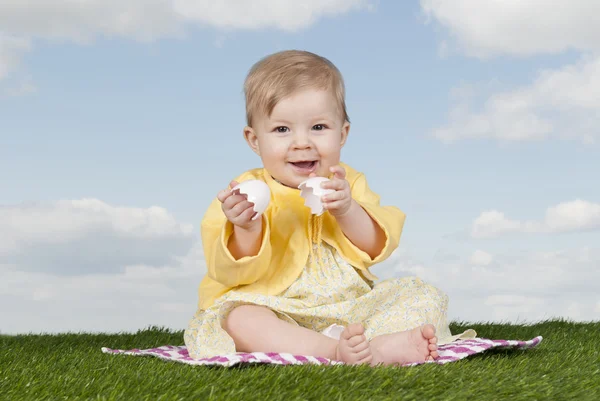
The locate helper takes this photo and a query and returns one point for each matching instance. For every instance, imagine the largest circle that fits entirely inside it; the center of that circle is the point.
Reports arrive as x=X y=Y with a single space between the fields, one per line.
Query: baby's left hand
x=337 y=203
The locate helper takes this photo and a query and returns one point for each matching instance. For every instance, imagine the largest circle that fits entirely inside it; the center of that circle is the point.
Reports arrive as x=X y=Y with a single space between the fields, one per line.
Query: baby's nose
x=302 y=140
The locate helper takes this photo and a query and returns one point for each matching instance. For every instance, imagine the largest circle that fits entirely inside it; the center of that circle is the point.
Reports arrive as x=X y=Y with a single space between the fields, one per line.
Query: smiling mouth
x=305 y=165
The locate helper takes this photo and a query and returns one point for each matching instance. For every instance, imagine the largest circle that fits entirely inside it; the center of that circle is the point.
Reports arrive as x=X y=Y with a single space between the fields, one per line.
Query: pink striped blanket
x=448 y=353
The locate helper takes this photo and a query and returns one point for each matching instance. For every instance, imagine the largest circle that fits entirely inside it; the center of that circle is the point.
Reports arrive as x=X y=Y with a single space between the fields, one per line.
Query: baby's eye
x=319 y=127
x=281 y=129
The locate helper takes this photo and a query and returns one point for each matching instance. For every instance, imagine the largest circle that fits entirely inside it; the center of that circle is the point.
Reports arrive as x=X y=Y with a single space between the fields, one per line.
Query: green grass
x=566 y=366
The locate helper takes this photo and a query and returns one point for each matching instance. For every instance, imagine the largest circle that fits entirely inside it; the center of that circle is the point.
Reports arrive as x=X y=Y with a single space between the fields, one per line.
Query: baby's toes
x=358 y=355
x=366 y=359
x=364 y=355
x=428 y=331
x=433 y=340
x=357 y=340
x=433 y=352
x=354 y=329
x=363 y=345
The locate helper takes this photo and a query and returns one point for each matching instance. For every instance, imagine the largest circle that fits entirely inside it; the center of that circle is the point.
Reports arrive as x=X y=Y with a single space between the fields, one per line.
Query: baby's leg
x=416 y=345
x=258 y=329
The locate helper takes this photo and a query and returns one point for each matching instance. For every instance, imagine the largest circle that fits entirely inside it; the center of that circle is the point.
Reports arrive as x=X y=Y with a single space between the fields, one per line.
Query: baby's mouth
x=305 y=164
x=305 y=167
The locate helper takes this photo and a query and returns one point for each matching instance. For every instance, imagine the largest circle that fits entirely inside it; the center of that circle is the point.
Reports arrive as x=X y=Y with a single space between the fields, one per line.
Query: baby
x=283 y=282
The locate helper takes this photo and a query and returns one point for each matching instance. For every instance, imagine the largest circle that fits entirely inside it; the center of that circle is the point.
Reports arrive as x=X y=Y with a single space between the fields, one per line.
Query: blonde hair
x=279 y=75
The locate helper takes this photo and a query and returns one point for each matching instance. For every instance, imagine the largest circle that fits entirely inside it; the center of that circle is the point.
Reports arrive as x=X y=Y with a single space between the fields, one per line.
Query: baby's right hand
x=238 y=210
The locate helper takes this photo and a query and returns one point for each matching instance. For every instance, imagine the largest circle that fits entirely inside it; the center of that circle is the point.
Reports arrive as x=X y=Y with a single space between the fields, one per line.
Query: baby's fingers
x=233 y=200
x=246 y=215
x=223 y=195
x=338 y=171
x=240 y=208
x=226 y=193
x=335 y=184
x=334 y=196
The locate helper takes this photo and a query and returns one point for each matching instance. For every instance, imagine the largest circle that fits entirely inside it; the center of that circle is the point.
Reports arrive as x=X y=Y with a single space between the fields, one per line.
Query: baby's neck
x=281 y=183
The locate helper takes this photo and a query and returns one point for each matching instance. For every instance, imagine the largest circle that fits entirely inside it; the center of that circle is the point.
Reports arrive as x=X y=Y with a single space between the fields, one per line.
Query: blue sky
x=483 y=131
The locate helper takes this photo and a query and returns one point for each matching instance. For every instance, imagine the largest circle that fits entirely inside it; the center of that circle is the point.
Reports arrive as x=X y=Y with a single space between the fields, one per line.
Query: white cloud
x=84 y=265
x=510 y=287
x=577 y=215
x=148 y=20
x=138 y=287
x=152 y=19
x=562 y=103
x=83 y=21
x=493 y=223
x=137 y=297
x=486 y=28
x=286 y=15
x=83 y=236
x=573 y=216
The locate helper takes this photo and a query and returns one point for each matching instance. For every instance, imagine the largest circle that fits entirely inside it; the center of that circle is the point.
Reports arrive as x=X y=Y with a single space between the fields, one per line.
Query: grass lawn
x=565 y=366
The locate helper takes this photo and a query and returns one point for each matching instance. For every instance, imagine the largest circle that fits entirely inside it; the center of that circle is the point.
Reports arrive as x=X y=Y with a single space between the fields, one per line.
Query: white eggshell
x=312 y=192
x=257 y=192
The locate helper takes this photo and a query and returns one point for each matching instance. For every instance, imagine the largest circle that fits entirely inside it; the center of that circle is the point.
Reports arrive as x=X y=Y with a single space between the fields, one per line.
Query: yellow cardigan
x=286 y=243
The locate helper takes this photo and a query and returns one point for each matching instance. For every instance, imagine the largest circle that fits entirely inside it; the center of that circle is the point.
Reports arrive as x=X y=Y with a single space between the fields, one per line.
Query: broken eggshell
x=257 y=192
x=312 y=192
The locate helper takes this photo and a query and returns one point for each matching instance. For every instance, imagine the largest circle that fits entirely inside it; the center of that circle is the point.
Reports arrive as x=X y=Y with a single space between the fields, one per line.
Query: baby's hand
x=238 y=210
x=337 y=203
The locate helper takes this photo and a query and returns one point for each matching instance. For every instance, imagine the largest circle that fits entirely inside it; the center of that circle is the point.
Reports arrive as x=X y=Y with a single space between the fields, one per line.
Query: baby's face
x=304 y=135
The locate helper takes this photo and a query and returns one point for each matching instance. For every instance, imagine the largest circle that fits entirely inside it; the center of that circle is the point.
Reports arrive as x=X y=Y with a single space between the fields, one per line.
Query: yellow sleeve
x=390 y=219
x=221 y=265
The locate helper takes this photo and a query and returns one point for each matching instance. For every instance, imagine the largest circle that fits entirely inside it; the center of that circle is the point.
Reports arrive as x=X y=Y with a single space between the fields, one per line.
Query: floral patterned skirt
x=327 y=295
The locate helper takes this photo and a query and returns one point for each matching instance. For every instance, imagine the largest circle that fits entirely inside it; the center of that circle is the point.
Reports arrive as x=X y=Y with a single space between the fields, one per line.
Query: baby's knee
x=244 y=311
x=244 y=316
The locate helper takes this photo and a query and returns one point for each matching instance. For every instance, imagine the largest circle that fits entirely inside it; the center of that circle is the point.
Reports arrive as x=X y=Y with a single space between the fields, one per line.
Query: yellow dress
x=324 y=297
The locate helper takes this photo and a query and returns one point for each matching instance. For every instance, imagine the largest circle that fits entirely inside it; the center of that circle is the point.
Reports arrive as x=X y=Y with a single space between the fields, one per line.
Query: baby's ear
x=251 y=139
x=345 y=132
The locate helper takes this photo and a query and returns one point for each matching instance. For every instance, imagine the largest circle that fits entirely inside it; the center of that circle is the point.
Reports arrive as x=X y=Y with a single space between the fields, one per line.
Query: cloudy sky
x=121 y=119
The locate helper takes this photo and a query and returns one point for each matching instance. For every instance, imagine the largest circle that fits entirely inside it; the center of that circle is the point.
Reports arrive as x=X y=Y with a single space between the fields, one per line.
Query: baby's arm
x=245 y=242
x=368 y=231
x=234 y=257
x=362 y=230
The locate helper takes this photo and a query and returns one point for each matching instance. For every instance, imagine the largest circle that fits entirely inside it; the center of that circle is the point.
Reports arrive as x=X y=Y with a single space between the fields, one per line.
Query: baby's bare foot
x=416 y=345
x=353 y=347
